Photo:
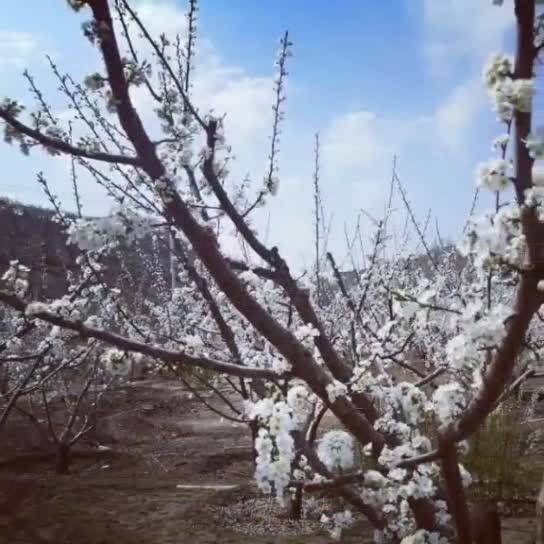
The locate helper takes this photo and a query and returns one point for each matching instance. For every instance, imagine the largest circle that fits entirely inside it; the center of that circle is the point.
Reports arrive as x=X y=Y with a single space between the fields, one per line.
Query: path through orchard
x=177 y=473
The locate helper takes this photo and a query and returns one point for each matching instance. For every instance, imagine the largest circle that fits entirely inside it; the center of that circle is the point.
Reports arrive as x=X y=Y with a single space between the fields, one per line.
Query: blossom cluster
x=507 y=94
x=274 y=446
x=336 y=450
x=123 y=224
x=16 y=278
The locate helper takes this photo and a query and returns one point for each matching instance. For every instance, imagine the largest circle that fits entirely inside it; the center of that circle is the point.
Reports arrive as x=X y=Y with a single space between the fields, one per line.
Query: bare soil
x=159 y=439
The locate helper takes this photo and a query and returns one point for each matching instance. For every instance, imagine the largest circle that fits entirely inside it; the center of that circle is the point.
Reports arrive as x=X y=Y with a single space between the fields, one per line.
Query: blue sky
x=375 y=78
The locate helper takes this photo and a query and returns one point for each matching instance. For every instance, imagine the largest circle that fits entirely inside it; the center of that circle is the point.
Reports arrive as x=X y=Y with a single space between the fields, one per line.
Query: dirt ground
x=160 y=439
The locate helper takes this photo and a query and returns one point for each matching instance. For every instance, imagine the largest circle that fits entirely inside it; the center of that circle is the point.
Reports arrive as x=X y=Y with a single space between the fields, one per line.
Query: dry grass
x=504 y=459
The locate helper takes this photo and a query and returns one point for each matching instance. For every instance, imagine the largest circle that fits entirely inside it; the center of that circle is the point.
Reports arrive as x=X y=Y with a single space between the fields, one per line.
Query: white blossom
x=466 y=478
x=500 y=142
x=117 y=362
x=335 y=450
x=281 y=366
x=497 y=69
x=422 y=536
x=411 y=400
x=495 y=236
x=301 y=402
x=512 y=94
x=335 y=390
x=493 y=174
x=274 y=446
x=36 y=308
x=449 y=401
x=337 y=523
x=522 y=94
x=306 y=334
x=535 y=143
x=121 y=224
x=506 y=93
x=16 y=278
x=538 y=175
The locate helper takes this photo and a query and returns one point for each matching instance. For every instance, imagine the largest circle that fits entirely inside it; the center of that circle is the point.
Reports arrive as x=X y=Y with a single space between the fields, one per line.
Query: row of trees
x=409 y=352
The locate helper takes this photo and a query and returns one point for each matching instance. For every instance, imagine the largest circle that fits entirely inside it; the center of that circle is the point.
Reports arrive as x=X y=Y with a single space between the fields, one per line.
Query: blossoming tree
x=409 y=368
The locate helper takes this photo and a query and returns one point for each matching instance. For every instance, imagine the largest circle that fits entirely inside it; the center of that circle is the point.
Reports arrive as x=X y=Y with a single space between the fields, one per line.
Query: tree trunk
x=295 y=505
x=4 y=379
x=173 y=262
x=63 y=459
x=254 y=428
x=486 y=524
x=540 y=516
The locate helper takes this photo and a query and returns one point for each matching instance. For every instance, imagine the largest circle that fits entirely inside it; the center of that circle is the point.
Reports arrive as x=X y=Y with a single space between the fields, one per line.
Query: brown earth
x=160 y=439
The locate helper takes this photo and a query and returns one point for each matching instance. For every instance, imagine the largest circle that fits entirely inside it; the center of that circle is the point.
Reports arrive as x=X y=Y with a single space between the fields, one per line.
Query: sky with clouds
x=375 y=79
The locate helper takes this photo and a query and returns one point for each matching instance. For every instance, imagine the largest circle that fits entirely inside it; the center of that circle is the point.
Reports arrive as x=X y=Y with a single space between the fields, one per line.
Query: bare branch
x=163 y=60
x=18 y=391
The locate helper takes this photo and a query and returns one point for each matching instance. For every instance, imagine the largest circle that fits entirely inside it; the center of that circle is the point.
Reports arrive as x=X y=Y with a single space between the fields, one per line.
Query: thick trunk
x=540 y=516
x=4 y=379
x=254 y=428
x=486 y=524
x=295 y=505
x=455 y=493
x=63 y=459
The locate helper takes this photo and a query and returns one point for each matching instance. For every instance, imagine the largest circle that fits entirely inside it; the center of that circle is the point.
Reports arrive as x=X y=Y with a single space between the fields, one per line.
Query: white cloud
x=351 y=141
x=357 y=146
x=217 y=85
x=357 y=152
x=463 y=30
x=458 y=35
x=356 y=142
x=245 y=100
x=162 y=17
x=454 y=117
x=227 y=88
x=16 y=47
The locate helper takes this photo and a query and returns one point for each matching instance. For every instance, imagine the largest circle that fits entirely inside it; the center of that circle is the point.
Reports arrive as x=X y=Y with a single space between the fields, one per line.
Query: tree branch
x=64 y=147
x=127 y=344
